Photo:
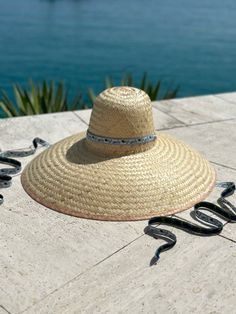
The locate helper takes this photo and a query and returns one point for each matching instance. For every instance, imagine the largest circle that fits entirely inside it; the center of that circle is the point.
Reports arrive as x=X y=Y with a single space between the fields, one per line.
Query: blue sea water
x=187 y=42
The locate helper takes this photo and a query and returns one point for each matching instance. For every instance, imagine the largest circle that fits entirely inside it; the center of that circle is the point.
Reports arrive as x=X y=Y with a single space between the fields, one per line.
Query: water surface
x=187 y=42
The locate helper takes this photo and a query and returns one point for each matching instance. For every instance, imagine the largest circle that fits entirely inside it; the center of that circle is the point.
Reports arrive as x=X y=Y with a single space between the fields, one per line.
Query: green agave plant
x=50 y=97
x=153 y=90
x=41 y=98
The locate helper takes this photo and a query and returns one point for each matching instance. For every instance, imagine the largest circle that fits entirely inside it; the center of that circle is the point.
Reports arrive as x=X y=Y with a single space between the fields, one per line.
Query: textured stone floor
x=53 y=263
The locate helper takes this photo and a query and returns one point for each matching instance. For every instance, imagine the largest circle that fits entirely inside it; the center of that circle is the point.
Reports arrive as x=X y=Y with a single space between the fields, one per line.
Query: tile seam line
x=178 y=100
x=4 y=309
x=81 y=119
x=203 y=123
x=171 y=128
x=226 y=100
x=227 y=238
x=219 y=235
x=195 y=124
x=169 y=115
x=222 y=165
x=216 y=235
x=80 y=274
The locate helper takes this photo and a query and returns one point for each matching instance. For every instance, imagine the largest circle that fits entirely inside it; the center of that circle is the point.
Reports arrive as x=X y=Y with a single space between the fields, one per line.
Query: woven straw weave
x=99 y=181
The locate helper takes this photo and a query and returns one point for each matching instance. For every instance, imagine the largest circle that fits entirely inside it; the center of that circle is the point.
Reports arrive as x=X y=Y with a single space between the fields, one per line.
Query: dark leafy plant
x=153 y=90
x=51 y=97
x=40 y=98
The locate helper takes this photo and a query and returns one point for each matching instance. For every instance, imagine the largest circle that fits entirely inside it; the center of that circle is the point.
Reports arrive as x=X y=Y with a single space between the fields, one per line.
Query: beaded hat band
x=120 y=141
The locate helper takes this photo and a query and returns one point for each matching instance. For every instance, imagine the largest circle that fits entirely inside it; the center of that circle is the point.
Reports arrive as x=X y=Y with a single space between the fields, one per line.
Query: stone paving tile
x=164 y=121
x=19 y=132
x=41 y=249
x=229 y=97
x=195 y=110
x=84 y=115
x=196 y=276
x=215 y=140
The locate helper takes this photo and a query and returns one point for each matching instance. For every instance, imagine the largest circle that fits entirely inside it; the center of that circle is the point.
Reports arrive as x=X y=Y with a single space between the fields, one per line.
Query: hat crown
x=122 y=112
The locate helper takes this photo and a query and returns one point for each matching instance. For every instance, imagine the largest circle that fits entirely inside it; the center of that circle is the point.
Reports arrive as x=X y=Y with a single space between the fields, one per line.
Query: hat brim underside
x=168 y=178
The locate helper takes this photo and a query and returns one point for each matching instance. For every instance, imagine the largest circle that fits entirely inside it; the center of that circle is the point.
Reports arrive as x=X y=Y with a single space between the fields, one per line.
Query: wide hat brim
x=166 y=179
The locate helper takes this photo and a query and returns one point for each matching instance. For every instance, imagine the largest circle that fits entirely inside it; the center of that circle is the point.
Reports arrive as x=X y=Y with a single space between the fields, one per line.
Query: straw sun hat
x=121 y=168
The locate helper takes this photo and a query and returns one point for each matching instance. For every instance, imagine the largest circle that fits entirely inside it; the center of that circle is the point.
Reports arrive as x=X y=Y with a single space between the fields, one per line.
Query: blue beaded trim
x=120 y=141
